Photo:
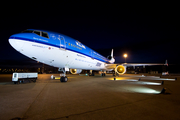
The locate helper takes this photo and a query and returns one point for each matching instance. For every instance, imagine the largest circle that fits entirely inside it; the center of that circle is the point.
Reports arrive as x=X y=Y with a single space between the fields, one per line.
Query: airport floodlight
x=125 y=56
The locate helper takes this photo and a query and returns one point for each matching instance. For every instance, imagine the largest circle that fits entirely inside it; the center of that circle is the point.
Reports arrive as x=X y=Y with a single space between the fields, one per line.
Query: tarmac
x=83 y=97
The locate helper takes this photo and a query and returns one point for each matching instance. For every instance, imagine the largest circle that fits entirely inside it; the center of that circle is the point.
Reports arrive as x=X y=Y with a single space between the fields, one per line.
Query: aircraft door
x=62 y=42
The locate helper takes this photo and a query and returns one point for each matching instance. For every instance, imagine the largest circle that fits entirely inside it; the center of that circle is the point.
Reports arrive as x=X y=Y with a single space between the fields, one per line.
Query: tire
x=103 y=74
x=64 y=79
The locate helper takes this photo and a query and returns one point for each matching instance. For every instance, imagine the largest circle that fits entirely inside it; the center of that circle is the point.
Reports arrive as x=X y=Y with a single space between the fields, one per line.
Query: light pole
x=125 y=56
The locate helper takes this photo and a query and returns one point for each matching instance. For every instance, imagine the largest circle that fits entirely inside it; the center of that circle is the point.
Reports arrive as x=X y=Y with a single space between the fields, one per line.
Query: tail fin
x=112 y=60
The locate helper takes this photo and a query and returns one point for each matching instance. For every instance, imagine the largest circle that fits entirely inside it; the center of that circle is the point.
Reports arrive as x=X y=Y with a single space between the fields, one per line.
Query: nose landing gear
x=63 y=78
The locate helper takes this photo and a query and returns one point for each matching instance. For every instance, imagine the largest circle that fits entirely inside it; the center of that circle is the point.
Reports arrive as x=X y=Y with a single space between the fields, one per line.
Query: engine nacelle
x=120 y=69
x=75 y=71
x=111 y=59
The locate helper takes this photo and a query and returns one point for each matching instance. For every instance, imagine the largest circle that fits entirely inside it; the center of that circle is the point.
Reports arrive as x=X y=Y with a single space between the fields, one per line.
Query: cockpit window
x=27 y=31
x=44 y=34
x=40 y=33
x=37 y=32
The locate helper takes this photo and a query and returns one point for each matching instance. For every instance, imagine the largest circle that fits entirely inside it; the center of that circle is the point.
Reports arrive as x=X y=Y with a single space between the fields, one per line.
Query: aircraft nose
x=15 y=43
x=12 y=42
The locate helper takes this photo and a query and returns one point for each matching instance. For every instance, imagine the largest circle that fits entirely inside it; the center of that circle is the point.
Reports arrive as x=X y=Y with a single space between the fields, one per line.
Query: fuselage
x=57 y=50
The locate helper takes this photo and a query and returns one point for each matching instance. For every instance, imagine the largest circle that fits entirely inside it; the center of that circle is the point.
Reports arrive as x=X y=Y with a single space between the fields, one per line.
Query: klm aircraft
x=64 y=52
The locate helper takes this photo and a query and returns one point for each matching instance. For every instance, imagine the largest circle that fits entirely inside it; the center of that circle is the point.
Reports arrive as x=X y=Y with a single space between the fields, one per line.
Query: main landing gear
x=103 y=73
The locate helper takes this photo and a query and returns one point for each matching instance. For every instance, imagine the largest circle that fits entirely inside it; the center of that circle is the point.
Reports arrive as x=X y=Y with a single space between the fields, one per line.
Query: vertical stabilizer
x=112 y=60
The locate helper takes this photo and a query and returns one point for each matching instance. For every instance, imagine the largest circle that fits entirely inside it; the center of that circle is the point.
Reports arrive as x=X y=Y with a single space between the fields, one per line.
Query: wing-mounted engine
x=120 y=69
x=75 y=71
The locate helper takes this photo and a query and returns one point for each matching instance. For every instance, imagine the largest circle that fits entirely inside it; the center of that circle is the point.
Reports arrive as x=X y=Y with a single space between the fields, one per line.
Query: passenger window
x=44 y=34
x=37 y=32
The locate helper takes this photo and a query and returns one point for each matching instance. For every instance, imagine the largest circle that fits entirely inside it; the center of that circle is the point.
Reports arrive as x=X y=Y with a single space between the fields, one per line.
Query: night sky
x=147 y=32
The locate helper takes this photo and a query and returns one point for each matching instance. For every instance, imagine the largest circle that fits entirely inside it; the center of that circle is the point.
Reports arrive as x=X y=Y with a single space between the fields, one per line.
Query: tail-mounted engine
x=111 y=58
x=120 y=69
x=75 y=71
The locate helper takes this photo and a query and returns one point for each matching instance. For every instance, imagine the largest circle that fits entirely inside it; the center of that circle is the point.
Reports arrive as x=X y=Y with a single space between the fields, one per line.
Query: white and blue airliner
x=64 y=52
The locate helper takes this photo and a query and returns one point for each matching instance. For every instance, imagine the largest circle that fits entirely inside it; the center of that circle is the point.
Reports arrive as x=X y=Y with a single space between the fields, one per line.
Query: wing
x=113 y=66
x=144 y=64
x=141 y=64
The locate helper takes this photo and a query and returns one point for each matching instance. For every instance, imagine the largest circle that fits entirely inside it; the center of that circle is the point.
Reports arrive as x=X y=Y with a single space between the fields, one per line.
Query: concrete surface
x=90 y=98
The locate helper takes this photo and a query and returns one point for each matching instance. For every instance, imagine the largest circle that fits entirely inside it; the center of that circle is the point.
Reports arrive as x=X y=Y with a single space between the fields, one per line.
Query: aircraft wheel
x=64 y=79
x=103 y=74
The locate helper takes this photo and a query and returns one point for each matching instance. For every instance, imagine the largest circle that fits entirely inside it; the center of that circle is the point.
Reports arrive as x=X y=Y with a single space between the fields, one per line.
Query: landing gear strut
x=91 y=73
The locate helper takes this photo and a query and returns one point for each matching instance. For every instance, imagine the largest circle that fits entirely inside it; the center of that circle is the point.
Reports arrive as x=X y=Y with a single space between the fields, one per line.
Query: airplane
x=67 y=54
